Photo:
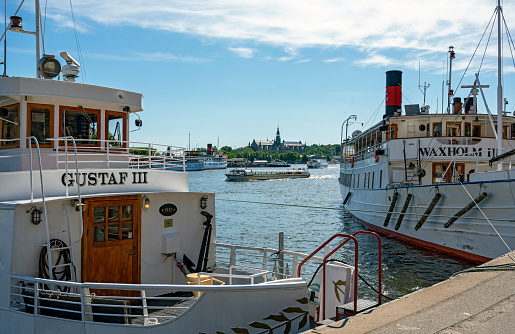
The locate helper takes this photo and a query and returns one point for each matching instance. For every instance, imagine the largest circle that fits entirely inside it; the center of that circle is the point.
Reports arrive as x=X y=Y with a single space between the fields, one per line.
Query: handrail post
x=31 y=179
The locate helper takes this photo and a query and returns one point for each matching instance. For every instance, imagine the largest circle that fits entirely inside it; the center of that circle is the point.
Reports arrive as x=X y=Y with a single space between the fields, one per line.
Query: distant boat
x=317 y=163
x=249 y=174
x=278 y=164
x=215 y=162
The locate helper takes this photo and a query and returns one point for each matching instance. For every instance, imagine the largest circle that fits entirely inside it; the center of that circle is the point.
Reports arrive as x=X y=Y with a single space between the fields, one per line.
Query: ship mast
x=499 y=86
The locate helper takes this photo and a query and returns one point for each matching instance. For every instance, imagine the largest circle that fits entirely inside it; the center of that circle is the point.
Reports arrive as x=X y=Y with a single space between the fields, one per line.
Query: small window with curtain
x=40 y=123
x=437 y=129
x=80 y=123
x=468 y=129
x=10 y=127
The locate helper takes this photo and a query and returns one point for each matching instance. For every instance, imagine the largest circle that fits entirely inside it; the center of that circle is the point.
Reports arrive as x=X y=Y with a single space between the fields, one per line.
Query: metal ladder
x=56 y=245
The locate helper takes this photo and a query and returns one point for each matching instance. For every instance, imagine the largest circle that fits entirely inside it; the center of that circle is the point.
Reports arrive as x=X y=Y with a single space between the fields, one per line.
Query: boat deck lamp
x=15 y=24
x=35 y=215
x=146 y=203
x=203 y=202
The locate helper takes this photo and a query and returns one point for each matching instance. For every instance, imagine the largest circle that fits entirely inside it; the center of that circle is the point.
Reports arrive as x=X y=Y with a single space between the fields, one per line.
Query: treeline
x=290 y=157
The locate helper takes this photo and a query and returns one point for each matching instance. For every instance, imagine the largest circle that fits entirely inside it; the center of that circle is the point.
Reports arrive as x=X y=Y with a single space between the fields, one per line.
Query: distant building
x=277 y=145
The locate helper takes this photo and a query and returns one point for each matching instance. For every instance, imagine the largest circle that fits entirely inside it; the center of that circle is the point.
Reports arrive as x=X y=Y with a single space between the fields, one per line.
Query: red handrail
x=349 y=237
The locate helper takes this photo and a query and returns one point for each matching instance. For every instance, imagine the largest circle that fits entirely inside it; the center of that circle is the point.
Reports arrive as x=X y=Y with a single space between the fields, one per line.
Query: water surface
x=406 y=268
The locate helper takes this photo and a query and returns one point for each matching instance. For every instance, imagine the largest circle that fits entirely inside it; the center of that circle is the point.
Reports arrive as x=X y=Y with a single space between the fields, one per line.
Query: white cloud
x=243 y=52
x=293 y=24
x=334 y=60
x=303 y=61
x=283 y=59
x=152 y=56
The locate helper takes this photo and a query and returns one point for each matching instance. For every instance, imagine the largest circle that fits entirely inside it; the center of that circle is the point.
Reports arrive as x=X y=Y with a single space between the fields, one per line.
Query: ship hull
x=472 y=236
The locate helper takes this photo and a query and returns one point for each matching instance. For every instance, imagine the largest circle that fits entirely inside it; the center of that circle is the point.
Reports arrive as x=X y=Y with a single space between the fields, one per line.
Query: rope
x=501 y=267
x=282 y=204
x=351 y=210
x=488 y=220
x=77 y=42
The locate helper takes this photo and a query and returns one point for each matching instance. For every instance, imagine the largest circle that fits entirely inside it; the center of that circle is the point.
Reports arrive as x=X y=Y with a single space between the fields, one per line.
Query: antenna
x=425 y=87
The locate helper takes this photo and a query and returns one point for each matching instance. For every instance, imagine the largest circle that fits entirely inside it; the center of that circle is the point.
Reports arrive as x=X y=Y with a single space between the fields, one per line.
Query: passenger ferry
x=444 y=181
x=253 y=174
x=98 y=235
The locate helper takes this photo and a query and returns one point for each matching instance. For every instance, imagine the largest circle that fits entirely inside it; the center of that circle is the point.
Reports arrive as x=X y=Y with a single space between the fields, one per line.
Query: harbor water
x=309 y=211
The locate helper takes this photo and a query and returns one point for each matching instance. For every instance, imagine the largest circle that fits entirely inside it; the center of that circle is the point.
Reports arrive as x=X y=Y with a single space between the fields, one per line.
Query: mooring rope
x=283 y=204
x=501 y=267
x=354 y=210
x=488 y=220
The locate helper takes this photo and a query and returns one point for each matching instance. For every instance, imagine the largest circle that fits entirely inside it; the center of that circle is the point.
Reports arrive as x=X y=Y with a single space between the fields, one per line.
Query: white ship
x=215 y=162
x=444 y=181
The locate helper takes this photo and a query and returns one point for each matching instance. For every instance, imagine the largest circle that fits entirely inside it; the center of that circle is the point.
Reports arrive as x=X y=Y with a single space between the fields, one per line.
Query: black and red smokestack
x=393 y=92
x=209 y=149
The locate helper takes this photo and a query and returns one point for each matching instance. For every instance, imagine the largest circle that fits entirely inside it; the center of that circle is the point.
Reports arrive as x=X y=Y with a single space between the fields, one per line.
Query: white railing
x=100 y=154
x=269 y=260
x=97 y=302
x=148 y=304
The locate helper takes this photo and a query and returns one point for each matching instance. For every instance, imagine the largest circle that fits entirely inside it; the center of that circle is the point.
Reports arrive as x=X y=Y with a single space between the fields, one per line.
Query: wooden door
x=111 y=243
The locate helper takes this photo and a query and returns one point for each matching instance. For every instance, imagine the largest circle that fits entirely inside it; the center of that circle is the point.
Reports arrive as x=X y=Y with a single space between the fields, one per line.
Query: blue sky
x=234 y=70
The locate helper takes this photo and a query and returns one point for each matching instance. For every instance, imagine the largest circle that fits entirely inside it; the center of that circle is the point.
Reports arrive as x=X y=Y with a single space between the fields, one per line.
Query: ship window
x=10 y=130
x=476 y=130
x=437 y=129
x=453 y=129
x=358 y=180
x=468 y=129
x=381 y=178
x=445 y=173
x=428 y=130
x=392 y=132
x=373 y=177
x=80 y=123
x=116 y=125
x=40 y=123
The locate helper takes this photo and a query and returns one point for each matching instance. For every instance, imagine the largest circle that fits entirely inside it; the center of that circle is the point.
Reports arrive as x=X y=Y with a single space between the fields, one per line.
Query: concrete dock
x=475 y=302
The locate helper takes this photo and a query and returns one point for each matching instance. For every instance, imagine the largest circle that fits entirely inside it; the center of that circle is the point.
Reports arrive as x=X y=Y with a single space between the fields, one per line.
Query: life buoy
x=352 y=162
x=376 y=156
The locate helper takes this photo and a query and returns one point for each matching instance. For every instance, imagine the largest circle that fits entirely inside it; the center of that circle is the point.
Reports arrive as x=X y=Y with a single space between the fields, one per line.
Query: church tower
x=277 y=141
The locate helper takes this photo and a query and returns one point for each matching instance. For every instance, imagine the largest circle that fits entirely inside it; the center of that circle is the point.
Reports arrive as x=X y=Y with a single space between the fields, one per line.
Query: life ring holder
x=376 y=157
x=352 y=162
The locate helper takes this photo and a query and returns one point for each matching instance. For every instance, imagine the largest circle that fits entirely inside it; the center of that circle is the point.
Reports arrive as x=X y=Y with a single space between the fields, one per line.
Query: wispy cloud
x=154 y=57
x=294 y=24
x=243 y=52
x=334 y=60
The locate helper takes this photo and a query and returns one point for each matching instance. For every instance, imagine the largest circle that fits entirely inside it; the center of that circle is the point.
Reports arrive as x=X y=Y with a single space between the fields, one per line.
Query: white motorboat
x=97 y=233
x=444 y=181
x=317 y=163
x=263 y=174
